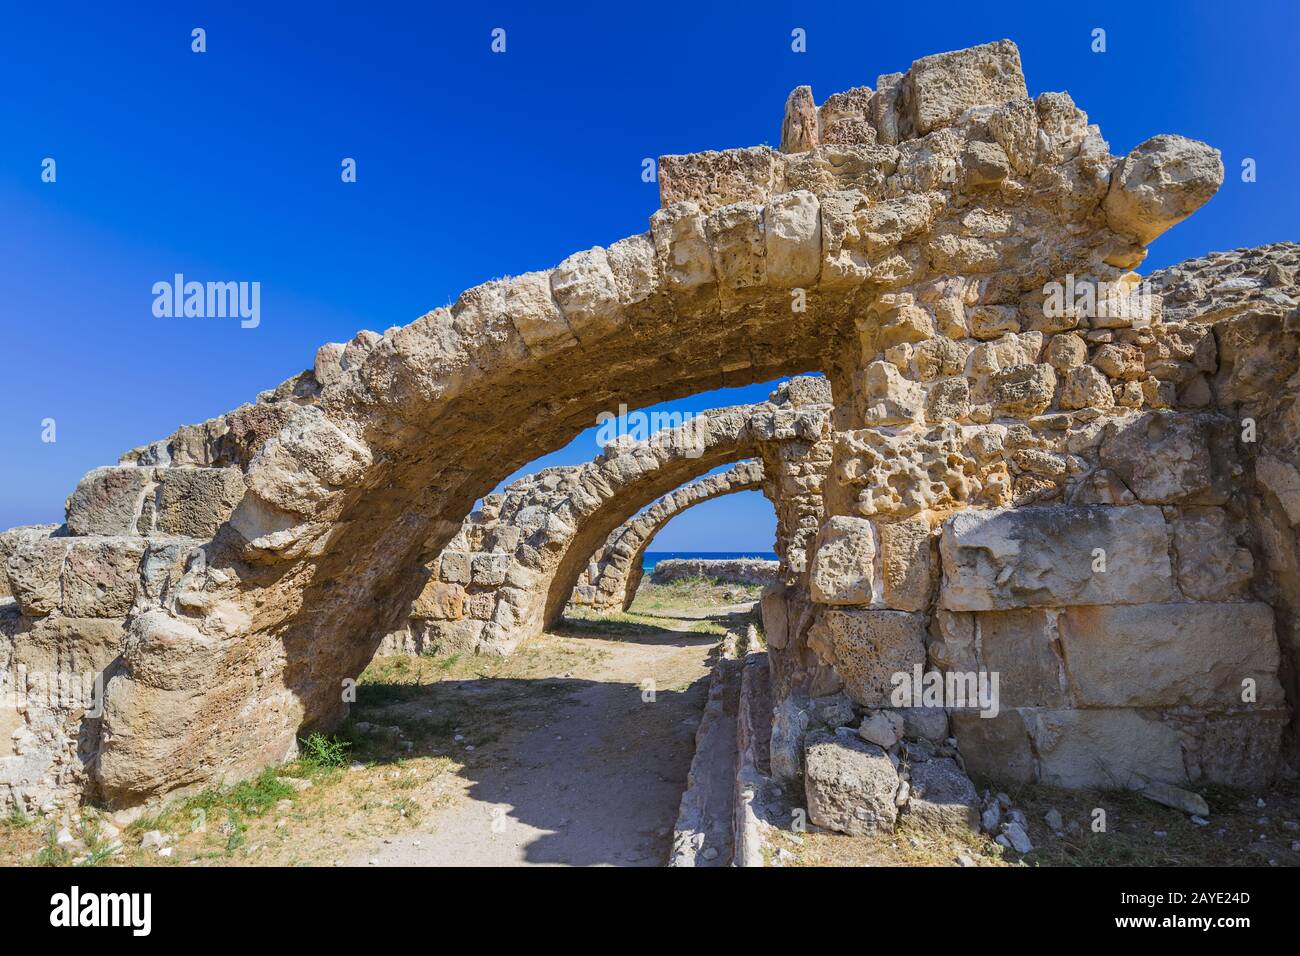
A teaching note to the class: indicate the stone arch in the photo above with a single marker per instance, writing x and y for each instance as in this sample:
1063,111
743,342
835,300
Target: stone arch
614,570
510,570
899,242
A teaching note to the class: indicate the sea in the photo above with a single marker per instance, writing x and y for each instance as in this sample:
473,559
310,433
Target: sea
651,557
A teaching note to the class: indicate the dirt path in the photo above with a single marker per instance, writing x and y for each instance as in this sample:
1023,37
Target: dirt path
592,776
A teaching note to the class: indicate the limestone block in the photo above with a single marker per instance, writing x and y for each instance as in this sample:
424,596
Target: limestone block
717,178
907,567
455,567
584,287
489,569
995,749
536,315
636,272
992,321
682,247
108,500
773,605
1105,749
942,797
10,541
1020,647
849,784
790,718
799,128
888,398
68,645
904,324
101,575
1023,390
984,164
792,229
1171,655
1085,387
842,569
945,85
440,601
1124,362
940,357
1166,457
868,647
195,502
1283,480
1162,182
1045,557
1241,751
735,234
1210,564
948,401
35,573
1014,127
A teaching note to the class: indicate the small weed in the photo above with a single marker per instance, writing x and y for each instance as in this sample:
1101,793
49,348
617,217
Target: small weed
319,752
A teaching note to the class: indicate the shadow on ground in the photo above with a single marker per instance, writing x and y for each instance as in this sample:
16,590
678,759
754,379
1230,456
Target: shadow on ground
561,770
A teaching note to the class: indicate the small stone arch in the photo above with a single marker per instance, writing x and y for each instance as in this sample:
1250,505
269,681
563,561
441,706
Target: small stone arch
511,568
614,571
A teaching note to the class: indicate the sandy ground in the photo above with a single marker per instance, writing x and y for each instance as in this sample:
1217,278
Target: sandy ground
591,777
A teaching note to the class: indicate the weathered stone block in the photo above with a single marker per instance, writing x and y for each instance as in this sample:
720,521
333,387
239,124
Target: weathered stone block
1166,457
195,502
439,601
1019,646
995,749
67,645
1105,749
108,500
1241,751
717,178
907,567
843,563
792,228
790,719
1210,564
584,287
850,785
1023,390
1047,557
1170,655
455,568
942,796
101,575
35,573
868,647
1162,182
945,85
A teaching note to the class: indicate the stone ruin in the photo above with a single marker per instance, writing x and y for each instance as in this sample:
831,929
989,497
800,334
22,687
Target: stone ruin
614,570
518,559
1034,463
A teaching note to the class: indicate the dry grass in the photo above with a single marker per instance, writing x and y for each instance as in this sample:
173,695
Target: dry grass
394,763
1137,833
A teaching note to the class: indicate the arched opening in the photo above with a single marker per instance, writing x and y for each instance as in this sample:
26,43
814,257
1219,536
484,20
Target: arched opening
615,570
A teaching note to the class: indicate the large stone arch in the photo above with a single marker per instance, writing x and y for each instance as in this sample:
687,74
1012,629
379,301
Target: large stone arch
613,571
510,570
228,579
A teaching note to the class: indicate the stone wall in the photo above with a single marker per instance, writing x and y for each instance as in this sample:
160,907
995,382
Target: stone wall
1118,568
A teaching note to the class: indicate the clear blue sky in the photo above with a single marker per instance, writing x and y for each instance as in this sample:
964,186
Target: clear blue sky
225,165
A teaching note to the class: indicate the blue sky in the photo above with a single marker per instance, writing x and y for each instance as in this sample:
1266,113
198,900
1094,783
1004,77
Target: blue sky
225,166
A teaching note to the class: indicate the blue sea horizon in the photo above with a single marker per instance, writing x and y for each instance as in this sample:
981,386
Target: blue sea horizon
650,558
